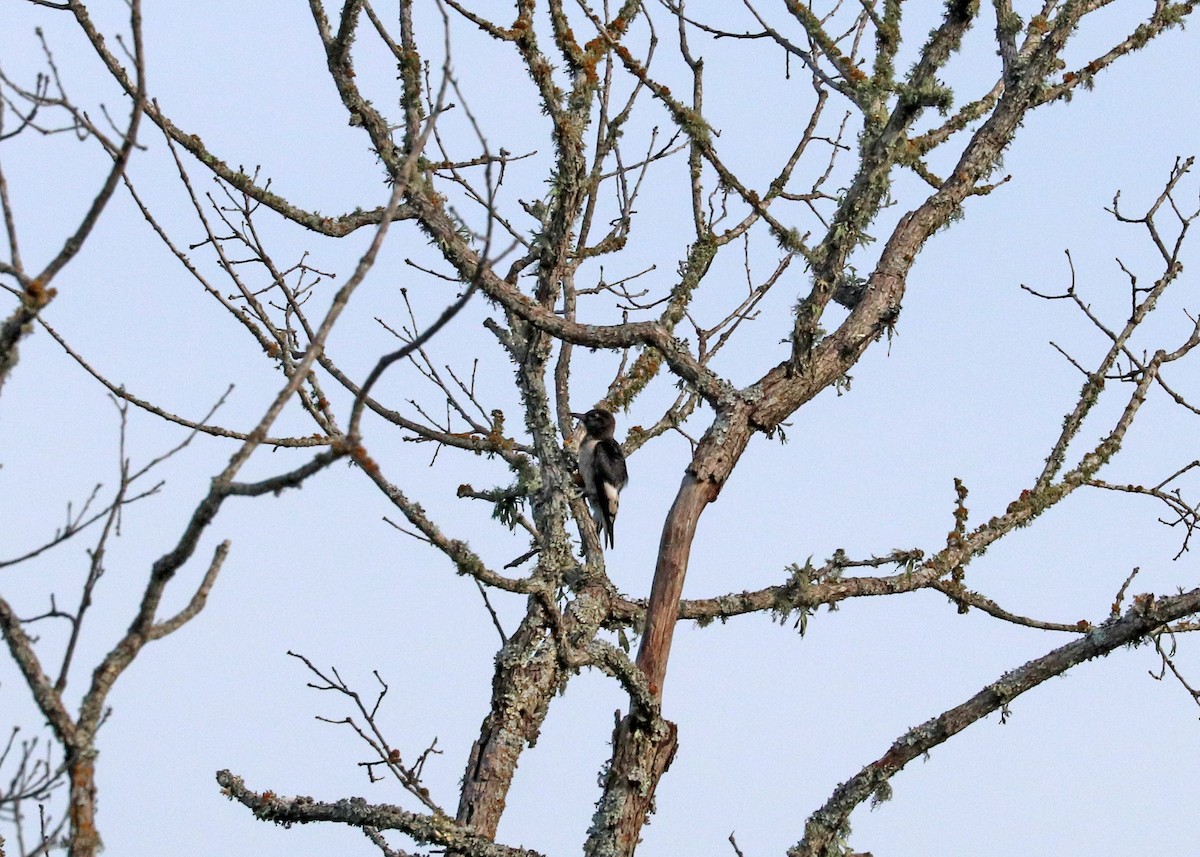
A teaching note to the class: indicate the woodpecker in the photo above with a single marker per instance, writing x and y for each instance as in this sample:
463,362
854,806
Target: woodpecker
602,467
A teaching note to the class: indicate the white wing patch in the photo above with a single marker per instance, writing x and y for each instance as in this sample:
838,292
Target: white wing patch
614,499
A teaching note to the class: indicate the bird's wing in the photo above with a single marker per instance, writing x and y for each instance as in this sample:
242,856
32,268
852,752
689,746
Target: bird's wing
609,463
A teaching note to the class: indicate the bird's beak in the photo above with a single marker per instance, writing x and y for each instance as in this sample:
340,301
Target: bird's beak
577,416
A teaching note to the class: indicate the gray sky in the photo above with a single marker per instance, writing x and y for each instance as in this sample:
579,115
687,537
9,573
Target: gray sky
1099,762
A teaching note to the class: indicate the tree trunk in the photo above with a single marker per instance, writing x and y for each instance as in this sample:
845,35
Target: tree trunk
527,676
85,838
674,550
642,752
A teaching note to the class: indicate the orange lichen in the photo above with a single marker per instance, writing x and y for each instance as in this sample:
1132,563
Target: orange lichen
359,453
37,295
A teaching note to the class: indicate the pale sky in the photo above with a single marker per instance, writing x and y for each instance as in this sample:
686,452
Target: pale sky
1098,762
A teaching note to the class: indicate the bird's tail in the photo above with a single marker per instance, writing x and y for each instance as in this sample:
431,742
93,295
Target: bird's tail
604,526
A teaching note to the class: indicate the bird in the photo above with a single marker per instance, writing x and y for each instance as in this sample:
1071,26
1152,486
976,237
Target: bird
602,468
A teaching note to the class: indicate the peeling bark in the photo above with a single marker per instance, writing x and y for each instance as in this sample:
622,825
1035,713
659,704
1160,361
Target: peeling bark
527,676
85,837
642,753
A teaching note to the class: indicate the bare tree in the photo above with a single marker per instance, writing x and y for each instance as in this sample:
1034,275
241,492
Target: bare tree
621,95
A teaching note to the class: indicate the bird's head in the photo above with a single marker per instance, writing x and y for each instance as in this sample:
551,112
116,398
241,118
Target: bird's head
598,422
